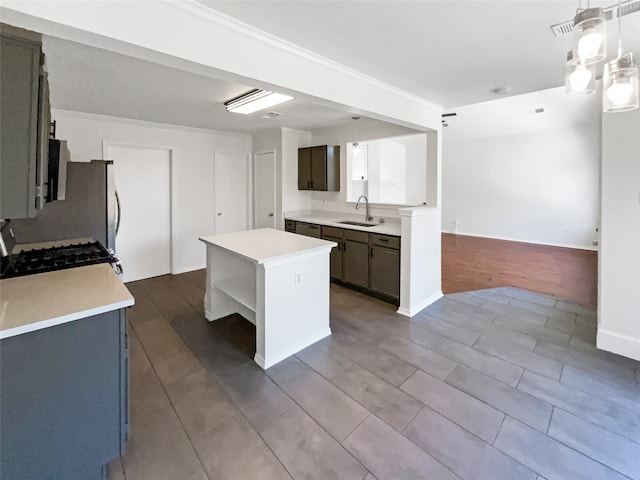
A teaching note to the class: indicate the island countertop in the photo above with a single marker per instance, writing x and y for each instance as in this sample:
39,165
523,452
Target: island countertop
34,302
265,244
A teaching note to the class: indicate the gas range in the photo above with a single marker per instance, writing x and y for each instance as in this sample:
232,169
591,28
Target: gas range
57,258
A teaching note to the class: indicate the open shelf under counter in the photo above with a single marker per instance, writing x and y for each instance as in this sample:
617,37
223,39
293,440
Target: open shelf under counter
239,290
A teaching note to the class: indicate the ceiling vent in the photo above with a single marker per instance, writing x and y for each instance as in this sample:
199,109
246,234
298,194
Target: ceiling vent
627,8
271,115
447,115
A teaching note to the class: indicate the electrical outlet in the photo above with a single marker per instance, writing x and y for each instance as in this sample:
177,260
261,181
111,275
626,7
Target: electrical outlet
297,278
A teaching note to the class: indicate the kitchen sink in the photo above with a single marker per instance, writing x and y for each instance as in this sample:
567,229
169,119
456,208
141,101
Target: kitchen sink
358,224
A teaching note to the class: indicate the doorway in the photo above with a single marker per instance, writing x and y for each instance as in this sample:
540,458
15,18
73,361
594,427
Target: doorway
143,186
231,170
264,182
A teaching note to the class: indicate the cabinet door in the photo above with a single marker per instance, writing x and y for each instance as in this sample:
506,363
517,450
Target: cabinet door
336,257
385,271
19,76
304,169
319,168
308,229
356,263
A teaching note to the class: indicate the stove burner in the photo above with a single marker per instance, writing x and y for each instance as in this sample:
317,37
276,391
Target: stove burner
55,258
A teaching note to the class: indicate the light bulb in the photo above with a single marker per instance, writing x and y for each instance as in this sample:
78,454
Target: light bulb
580,78
619,92
589,43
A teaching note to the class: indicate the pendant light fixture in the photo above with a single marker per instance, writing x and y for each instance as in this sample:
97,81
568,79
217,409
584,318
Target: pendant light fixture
580,79
355,145
620,80
589,39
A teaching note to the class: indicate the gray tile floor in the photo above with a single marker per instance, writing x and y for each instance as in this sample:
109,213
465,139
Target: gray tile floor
495,384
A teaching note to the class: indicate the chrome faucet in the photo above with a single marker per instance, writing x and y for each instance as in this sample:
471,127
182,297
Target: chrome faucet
367,217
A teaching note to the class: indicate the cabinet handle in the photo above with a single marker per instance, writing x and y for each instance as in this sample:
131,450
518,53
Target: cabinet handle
311,183
383,239
344,246
371,252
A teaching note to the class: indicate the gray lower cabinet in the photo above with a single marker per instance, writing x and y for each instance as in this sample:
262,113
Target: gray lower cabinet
308,229
368,262
290,226
384,271
64,409
356,263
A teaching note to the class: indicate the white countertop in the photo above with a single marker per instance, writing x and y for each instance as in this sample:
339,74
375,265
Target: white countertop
34,302
332,219
266,244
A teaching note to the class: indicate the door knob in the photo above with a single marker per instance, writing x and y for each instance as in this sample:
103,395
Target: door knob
219,214
271,214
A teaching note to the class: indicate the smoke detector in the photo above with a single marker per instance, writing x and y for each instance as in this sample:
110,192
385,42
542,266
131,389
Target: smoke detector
271,115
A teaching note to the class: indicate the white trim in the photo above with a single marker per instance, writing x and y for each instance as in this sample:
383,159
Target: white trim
410,312
212,17
618,343
255,185
144,123
518,240
276,358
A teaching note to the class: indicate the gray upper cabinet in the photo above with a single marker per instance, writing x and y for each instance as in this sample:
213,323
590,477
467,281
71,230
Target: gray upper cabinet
319,168
24,116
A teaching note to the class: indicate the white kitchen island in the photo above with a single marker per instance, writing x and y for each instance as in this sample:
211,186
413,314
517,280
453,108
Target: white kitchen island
277,280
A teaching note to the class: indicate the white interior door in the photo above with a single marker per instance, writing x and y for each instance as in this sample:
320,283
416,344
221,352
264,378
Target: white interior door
143,183
231,195
265,190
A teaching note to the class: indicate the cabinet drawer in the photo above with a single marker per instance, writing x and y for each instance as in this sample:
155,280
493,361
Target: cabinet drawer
331,232
356,236
308,229
290,226
385,241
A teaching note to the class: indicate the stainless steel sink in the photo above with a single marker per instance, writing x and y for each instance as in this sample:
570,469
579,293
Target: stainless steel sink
358,224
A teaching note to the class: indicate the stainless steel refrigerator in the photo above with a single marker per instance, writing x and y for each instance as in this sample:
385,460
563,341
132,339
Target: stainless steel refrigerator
90,208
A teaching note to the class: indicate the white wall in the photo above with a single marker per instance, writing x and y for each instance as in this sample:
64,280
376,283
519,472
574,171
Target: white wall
619,260
192,169
539,187
341,135
292,198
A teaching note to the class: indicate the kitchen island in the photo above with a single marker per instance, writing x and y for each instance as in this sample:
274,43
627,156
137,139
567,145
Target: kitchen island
277,280
64,375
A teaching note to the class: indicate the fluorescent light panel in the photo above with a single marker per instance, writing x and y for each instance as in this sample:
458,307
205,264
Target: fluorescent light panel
255,100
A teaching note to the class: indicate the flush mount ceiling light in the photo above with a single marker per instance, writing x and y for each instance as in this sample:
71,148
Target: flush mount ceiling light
580,79
255,100
589,39
620,80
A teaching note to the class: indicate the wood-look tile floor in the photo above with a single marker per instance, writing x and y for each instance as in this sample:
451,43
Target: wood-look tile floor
492,384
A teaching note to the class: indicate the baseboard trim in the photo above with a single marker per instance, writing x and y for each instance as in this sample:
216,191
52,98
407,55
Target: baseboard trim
618,343
410,312
519,240
277,358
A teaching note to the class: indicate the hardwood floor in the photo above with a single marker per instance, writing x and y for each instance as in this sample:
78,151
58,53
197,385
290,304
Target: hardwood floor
475,263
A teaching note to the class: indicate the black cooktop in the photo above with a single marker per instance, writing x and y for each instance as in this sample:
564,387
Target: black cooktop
54,258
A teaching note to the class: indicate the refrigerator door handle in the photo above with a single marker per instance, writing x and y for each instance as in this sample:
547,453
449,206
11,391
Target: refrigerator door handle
118,213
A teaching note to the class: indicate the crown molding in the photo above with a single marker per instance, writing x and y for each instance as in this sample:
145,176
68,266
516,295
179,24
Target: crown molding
221,21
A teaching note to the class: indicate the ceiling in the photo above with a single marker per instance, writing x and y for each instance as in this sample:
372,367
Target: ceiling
451,53
91,80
